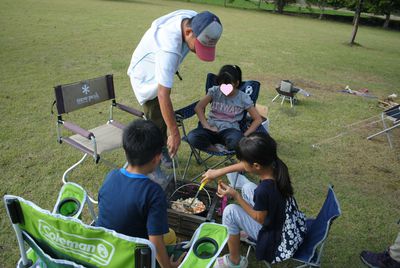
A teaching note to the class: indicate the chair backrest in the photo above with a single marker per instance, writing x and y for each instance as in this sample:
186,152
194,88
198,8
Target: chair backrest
318,230
286,86
394,113
207,243
74,96
67,242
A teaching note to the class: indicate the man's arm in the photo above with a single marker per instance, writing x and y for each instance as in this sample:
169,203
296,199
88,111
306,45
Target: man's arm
167,111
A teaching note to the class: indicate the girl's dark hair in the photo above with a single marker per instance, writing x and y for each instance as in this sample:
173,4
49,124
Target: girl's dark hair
260,148
229,74
142,140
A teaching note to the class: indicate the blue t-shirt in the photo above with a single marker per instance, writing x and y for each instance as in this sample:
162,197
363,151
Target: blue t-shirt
132,204
268,198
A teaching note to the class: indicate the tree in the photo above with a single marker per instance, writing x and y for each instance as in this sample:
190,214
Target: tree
357,16
384,7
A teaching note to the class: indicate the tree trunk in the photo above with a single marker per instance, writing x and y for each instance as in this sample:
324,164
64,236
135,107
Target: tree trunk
357,16
387,21
280,5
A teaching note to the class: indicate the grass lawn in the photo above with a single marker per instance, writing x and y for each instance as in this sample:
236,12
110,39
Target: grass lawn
47,42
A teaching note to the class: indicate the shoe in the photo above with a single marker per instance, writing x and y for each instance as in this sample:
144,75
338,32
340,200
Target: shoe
220,148
225,262
378,260
166,160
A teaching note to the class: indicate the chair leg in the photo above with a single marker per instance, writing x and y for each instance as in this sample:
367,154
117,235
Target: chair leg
64,177
91,209
387,132
187,165
248,251
291,102
283,99
275,97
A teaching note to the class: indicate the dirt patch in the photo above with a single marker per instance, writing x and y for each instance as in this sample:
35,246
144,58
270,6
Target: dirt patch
271,81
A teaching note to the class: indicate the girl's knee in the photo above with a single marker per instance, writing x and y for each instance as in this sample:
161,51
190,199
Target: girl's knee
230,213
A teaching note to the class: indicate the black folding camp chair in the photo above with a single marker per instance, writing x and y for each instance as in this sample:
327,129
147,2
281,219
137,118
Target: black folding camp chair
251,88
392,114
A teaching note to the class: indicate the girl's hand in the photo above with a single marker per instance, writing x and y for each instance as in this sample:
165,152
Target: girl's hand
210,175
212,128
225,190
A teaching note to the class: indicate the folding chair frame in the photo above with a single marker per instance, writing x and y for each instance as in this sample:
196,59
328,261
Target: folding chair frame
392,114
315,260
62,108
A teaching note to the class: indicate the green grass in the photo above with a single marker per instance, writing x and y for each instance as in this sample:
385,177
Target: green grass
44,43
256,5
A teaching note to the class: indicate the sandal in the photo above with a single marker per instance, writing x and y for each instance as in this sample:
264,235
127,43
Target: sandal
225,262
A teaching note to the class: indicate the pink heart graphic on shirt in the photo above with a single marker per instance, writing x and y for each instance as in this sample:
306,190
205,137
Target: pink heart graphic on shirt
226,89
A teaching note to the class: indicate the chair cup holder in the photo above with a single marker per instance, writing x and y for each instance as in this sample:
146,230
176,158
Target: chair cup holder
69,207
205,248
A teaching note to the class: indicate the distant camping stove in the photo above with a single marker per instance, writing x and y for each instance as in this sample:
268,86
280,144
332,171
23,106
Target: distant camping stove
185,224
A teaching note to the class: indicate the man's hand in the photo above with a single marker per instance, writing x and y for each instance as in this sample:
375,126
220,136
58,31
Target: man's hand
174,140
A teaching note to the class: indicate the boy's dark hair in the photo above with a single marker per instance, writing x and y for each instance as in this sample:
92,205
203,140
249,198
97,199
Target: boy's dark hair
229,74
142,140
261,148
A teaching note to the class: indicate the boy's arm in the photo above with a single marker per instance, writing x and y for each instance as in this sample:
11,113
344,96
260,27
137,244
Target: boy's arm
162,256
200,110
257,120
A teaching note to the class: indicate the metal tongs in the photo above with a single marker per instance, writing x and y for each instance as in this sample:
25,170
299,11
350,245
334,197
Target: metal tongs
189,207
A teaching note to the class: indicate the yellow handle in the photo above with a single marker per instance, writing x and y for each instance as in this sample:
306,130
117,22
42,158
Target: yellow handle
202,185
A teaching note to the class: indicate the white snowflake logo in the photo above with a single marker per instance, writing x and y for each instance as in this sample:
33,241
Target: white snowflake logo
85,89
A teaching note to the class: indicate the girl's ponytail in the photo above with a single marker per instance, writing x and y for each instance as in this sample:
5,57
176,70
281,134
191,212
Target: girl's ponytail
281,175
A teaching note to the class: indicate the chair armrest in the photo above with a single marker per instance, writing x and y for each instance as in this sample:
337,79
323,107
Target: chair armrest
185,112
77,129
129,110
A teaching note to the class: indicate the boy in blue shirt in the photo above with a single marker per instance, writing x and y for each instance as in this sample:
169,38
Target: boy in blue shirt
129,202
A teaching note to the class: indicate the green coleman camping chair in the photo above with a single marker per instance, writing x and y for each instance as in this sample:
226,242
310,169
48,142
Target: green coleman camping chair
60,241
205,246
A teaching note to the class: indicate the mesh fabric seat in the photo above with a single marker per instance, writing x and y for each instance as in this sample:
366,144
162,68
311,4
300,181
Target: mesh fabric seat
95,141
251,88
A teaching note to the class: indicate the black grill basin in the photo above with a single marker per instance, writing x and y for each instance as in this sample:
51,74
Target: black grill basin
185,224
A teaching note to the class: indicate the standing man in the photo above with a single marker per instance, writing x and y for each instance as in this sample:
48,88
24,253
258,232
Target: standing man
156,60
